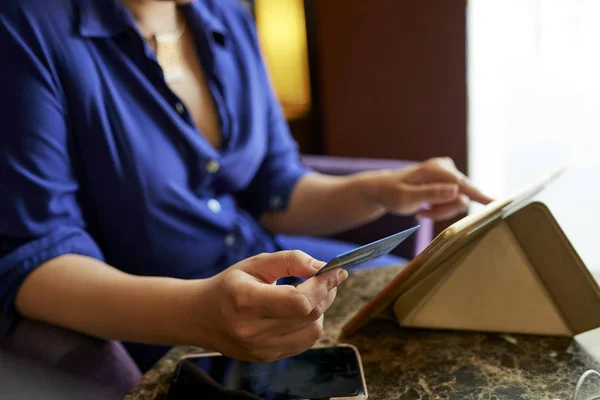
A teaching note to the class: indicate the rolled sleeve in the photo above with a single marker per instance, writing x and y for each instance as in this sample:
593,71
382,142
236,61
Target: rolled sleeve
272,187
40,218
17,265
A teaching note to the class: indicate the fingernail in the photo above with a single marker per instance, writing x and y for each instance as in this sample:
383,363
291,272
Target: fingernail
342,275
316,264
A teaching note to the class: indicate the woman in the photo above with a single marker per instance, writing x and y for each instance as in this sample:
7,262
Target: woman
143,154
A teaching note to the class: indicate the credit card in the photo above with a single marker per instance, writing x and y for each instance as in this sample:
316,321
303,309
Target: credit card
366,253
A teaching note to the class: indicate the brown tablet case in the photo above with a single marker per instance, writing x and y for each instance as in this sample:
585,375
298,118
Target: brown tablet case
515,272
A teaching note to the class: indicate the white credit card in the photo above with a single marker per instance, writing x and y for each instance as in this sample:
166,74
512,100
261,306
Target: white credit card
366,253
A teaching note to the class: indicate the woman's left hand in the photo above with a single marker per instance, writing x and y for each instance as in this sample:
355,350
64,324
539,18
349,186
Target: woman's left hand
434,189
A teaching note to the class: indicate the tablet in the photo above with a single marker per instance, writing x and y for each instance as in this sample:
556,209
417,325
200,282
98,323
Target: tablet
443,247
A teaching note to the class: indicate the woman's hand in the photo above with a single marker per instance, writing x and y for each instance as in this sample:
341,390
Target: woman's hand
433,189
251,318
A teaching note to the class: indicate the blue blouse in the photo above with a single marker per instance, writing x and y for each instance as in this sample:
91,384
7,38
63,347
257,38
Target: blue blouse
100,158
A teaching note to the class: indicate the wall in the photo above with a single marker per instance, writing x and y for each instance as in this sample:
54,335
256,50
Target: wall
391,77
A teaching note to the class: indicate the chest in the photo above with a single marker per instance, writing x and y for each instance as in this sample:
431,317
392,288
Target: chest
133,127
191,86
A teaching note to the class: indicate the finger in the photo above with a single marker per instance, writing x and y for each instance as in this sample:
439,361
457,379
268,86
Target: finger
467,188
415,196
304,337
440,170
282,326
317,288
445,169
266,301
270,348
436,170
268,268
446,211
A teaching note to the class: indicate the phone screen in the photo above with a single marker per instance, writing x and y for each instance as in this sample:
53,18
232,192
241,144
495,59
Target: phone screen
315,374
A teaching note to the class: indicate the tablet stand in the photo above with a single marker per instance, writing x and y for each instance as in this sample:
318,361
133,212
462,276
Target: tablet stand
519,275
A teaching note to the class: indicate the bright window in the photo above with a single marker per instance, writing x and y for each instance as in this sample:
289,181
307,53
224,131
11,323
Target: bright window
534,103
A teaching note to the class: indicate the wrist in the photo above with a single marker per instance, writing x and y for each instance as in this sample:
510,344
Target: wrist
373,187
190,322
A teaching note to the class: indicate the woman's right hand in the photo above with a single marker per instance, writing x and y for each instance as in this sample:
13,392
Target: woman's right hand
245,315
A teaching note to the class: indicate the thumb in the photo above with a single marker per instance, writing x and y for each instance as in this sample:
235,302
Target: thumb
430,193
270,267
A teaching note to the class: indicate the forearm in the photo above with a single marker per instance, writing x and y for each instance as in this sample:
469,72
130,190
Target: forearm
323,205
88,296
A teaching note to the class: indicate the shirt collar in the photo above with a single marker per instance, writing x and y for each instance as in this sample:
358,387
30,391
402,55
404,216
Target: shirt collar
109,18
206,12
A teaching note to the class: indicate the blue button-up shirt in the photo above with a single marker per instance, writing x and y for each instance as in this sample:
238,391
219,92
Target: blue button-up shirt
100,158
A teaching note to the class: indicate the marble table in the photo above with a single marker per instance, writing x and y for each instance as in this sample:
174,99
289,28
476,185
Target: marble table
422,364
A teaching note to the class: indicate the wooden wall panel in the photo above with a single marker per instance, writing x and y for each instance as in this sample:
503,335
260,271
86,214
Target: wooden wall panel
392,78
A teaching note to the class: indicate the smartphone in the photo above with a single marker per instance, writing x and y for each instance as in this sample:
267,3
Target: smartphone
319,373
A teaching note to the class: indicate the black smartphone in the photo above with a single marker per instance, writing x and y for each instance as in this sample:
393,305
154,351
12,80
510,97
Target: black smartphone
319,373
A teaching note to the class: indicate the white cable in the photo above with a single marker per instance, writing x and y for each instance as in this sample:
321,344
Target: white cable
580,383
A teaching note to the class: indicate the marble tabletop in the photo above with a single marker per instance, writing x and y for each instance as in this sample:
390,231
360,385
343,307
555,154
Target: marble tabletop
411,364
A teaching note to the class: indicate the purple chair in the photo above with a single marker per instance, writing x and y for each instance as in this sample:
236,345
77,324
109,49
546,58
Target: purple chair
105,367
86,365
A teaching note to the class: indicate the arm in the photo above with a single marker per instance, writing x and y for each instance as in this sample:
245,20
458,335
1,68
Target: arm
240,312
322,205
87,295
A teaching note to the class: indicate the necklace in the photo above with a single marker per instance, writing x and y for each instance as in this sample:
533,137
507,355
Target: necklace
169,55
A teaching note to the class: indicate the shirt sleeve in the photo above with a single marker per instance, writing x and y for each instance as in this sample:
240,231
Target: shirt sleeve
281,168
39,215
272,187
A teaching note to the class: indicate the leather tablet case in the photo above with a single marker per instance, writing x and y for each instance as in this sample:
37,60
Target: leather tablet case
516,272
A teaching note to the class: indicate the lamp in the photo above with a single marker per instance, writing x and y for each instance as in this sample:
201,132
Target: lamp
282,34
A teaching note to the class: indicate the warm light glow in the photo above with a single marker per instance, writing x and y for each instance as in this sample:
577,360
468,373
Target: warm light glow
282,33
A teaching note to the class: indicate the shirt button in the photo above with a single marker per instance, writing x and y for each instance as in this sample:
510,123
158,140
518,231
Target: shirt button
276,202
212,167
214,206
230,239
179,107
